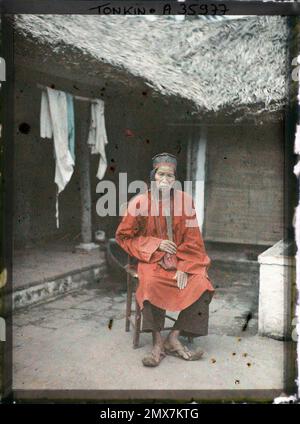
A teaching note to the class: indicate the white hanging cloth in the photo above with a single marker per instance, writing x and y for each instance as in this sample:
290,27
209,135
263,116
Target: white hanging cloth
97,138
297,140
54,122
45,118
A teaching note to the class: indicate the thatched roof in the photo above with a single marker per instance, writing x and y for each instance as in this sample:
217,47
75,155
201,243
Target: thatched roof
217,65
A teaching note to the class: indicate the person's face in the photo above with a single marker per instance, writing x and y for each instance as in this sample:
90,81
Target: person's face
164,177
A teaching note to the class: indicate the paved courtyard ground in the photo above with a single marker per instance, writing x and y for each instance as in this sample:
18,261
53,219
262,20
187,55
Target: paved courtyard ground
78,342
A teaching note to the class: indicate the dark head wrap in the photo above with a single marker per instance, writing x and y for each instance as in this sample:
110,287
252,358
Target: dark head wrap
163,159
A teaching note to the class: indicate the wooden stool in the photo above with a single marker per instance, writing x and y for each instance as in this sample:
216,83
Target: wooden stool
132,282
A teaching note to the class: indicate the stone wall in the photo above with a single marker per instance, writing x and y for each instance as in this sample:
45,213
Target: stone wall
244,184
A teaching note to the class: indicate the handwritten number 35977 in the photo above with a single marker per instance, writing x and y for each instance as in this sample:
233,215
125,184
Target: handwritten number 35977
203,9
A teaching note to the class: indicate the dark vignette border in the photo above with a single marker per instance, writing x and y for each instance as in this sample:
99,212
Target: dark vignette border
7,157
291,195
8,9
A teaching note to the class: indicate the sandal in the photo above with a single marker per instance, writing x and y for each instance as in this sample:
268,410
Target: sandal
151,361
179,352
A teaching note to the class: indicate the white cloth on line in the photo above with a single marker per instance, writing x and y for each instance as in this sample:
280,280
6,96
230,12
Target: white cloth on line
97,138
297,140
296,171
45,118
54,122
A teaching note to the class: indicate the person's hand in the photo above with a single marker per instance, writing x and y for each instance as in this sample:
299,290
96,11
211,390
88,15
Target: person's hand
167,246
182,278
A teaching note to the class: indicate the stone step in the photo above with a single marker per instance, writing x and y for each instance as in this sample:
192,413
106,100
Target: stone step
51,288
227,274
231,263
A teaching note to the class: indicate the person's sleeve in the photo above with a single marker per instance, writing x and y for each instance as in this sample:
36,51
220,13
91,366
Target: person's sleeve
144,248
191,253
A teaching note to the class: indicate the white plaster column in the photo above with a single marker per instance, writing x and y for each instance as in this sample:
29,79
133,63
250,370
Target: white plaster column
276,281
200,176
83,159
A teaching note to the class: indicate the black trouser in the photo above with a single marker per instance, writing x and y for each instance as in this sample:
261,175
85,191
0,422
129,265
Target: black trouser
191,321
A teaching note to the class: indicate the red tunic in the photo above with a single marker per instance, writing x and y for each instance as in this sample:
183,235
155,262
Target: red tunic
140,238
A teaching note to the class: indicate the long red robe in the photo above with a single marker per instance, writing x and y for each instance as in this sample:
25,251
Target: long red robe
140,238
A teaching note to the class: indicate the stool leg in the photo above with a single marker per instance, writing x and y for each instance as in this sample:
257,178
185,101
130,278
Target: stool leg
128,303
137,326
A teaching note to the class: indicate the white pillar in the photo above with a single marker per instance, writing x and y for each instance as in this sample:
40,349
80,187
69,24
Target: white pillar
83,159
276,281
200,176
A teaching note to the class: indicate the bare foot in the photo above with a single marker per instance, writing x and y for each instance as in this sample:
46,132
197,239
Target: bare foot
157,350
155,357
174,344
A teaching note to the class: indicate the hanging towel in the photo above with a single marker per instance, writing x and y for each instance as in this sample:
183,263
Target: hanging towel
45,118
97,138
297,140
71,125
54,121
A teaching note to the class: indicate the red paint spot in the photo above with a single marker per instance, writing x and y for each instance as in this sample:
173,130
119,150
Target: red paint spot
128,133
